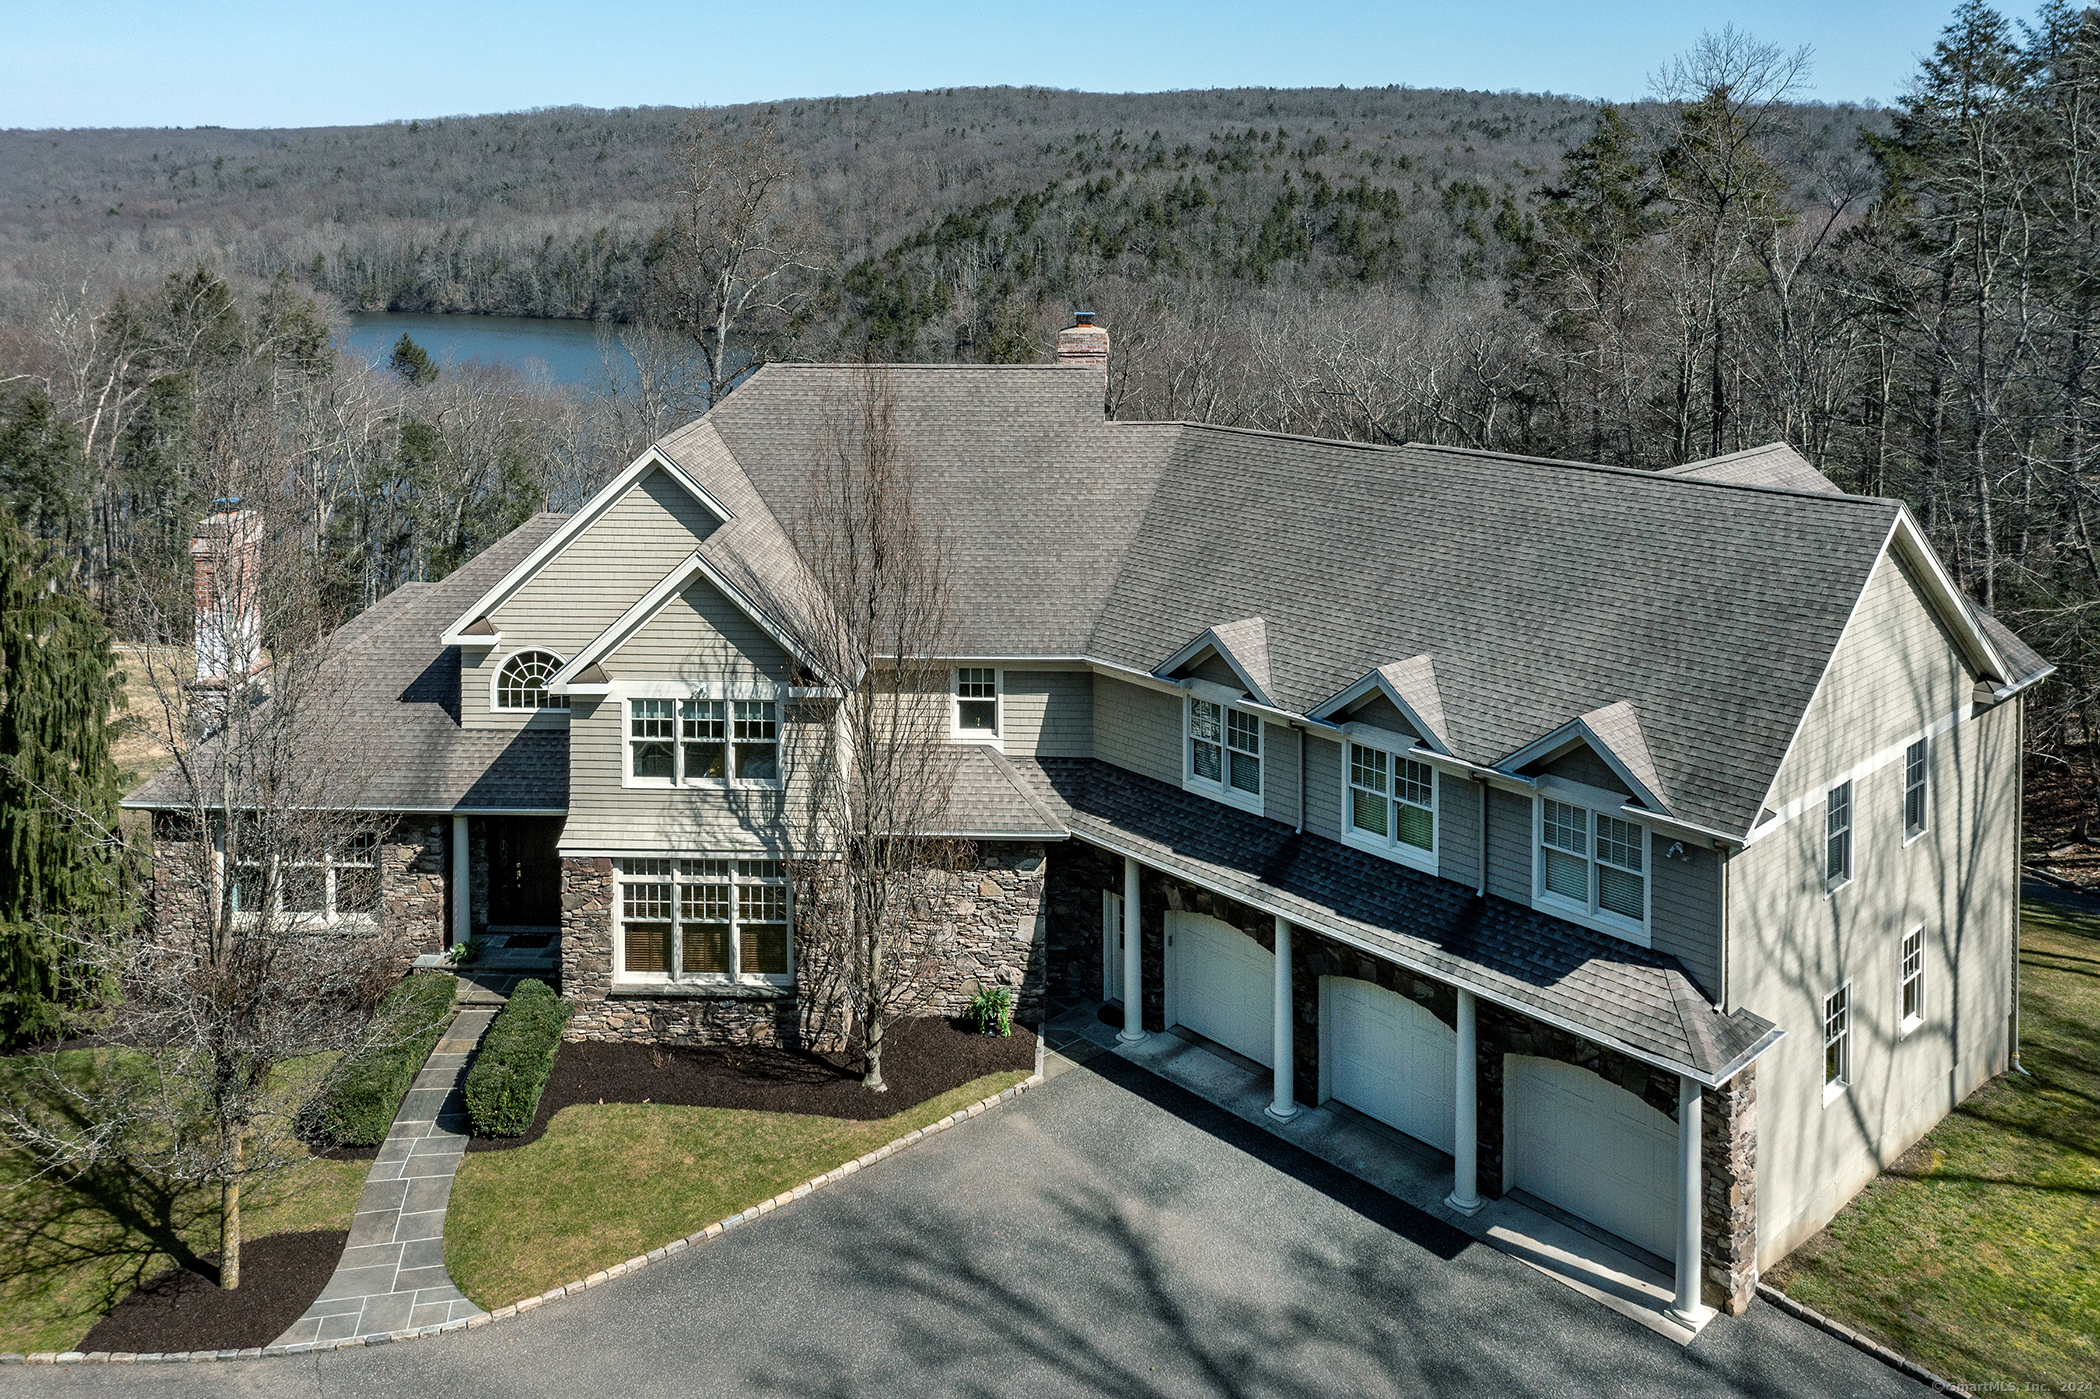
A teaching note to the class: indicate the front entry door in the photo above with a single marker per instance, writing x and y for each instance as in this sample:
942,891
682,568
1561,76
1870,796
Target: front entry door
524,872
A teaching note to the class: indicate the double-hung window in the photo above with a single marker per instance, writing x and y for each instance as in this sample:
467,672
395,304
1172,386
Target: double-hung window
1224,752
1593,865
340,879
1914,789
679,742
1913,990
976,702
1392,803
704,921
1837,836
1837,1041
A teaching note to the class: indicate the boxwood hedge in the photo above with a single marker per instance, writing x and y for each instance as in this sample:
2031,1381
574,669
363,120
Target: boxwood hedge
365,1091
504,1086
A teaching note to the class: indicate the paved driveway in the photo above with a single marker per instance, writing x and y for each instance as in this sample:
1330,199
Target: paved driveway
1107,1235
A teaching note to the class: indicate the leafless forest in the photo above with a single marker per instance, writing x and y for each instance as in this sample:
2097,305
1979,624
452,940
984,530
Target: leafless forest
1907,295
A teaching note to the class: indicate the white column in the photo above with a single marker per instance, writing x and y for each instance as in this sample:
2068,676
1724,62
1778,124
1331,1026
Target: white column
1284,1107
462,883
1688,1308
1465,1113
1133,964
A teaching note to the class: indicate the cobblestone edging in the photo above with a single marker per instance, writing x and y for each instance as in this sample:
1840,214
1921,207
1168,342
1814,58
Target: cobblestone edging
617,1270
1893,1359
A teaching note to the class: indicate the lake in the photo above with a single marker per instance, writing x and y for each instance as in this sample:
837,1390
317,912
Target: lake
566,351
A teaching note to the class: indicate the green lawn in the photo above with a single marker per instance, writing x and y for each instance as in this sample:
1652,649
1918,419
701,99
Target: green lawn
75,1245
610,1181
1978,1253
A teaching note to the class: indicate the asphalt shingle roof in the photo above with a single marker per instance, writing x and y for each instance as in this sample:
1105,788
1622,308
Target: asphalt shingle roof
401,705
1531,962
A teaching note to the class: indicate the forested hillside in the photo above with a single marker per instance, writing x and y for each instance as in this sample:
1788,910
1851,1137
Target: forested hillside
1910,297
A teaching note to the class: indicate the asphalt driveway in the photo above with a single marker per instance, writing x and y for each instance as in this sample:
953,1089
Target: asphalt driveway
1109,1234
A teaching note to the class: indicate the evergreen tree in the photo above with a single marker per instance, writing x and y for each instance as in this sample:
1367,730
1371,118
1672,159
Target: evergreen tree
413,363
43,472
60,861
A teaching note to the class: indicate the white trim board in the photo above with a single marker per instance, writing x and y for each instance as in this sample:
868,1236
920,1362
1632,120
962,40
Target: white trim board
623,628
1872,763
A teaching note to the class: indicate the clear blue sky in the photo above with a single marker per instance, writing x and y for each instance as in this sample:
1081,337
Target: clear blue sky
245,64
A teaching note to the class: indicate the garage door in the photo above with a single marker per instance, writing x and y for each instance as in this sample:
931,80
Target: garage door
1595,1150
1391,1059
1223,985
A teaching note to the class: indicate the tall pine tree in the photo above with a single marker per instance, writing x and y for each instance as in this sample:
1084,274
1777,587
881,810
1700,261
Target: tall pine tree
60,863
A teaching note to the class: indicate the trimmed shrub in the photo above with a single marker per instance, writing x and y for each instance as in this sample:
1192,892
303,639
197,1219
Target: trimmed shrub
364,1093
509,1074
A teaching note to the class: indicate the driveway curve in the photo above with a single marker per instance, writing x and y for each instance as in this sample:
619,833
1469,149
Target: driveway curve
1108,1234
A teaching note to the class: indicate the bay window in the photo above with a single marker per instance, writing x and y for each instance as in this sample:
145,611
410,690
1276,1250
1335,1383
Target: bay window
1391,801
1224,752
703,921
1593,865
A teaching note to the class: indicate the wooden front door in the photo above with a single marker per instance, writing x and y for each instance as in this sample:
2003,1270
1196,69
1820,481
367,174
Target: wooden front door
524,872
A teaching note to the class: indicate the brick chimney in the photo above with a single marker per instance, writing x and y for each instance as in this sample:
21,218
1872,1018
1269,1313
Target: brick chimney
226,554
1083,342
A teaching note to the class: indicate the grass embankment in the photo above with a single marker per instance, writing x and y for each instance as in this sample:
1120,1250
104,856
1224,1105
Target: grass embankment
75,1245
608,1182
1978,1253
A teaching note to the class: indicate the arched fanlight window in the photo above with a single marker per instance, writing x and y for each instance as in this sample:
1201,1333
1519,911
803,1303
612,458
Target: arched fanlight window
522,683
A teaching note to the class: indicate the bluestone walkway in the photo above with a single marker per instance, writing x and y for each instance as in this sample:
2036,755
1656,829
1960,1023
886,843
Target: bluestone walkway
392,1274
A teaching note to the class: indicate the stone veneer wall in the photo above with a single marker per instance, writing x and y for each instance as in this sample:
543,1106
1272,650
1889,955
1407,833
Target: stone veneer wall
991,934
411,879
1079,872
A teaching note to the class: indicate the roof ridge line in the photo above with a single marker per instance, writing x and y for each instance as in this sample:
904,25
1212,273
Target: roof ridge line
1661,474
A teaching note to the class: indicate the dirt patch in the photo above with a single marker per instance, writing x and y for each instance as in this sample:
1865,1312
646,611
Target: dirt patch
181,1309
924,1059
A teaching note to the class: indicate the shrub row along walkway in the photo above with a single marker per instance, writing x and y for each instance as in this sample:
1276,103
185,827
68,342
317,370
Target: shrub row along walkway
392,1275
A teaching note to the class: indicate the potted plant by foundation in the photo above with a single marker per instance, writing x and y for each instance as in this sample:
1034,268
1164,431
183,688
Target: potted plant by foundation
992,1010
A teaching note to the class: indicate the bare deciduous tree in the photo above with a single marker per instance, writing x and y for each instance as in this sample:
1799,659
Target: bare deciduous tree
876,611
736,248
269,954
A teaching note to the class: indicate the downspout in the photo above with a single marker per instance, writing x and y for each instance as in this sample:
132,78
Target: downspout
1482,784
1721,853
2019,867
1301,778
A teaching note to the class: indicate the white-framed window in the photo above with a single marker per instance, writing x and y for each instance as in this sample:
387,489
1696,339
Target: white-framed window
686,742
1914,809
976,713
1391,804
1594,866
1911,995
711,920
521,683
340,881
1837,836
1837,1041
1223,752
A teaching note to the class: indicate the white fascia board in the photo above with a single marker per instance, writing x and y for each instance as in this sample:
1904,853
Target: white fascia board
1567,736
480,640
652,458
1945,597
1195,648
1373,680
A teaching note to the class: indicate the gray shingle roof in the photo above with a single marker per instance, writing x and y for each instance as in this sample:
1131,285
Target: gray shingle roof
1775,464
988,798
1533,963
401,717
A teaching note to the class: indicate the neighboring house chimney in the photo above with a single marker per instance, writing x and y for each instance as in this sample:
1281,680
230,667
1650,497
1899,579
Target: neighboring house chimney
1083,342
227,555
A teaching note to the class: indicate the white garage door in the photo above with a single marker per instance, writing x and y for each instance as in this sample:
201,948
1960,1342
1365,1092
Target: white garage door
1223,987
1392,1059
1593,1149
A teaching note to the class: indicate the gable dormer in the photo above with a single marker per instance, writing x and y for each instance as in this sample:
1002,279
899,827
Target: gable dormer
1231,655
1603,750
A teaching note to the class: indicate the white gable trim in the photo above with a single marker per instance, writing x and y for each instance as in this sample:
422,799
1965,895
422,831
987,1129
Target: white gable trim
634,618
1324,711
593,510
1195,648
1567,736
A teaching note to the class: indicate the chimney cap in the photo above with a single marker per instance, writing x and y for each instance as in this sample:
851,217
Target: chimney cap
1082,318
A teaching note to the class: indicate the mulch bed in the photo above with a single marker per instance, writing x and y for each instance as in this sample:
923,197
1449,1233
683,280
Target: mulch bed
923,1059
281,1274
